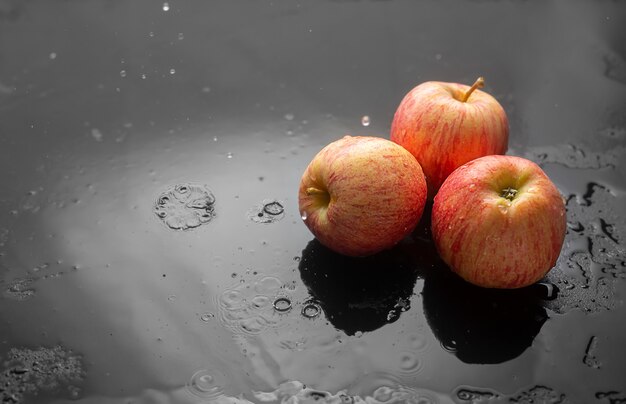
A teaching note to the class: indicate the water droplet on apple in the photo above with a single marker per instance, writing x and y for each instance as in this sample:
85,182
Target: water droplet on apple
365,120
303,215
166,6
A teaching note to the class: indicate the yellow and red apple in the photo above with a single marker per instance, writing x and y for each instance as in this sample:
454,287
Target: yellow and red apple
499,222
361,195
445,125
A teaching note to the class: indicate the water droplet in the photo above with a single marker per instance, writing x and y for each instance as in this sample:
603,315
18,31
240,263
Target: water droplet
181,36
311,309
123,73
365,120
151,34
289,117
171,298
172,71
409,363
166,6
206,384
229,155
269,211
53,55
273,208
260,301
268,285
303,216
96,135
282,304
143,76
206,317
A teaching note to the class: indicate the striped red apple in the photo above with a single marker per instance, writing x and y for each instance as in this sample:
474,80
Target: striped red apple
499,222
361,195
445,125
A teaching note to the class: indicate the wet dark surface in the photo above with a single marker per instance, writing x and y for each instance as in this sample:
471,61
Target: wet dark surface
110,294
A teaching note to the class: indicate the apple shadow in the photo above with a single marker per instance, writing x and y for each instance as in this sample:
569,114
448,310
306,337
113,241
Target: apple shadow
479,325
483,326
360,294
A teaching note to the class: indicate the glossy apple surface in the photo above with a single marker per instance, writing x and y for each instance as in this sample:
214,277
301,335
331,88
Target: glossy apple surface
499,222
361,195
445,125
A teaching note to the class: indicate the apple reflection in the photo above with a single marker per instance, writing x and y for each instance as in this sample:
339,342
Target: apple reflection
483,326
360,293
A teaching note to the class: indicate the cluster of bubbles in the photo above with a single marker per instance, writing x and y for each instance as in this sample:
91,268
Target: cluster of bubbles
52,371
535,394
268,211
19,289
252,307
297,392
185,206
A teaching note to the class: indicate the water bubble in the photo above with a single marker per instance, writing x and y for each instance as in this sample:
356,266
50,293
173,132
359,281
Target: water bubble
273,208
181,36
123,73
311,309
53,55
418,342
207,384
365,120
409,363
232,299
151,34
260,301
172,71
282,304
166,6
185,206
206,317
269,211
289,117
229,155
143,76
268,285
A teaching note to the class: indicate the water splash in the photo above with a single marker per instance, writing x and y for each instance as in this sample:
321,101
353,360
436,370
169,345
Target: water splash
185,206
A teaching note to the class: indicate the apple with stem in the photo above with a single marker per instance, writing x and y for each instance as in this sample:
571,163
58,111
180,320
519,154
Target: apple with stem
445,125
499,222
360,195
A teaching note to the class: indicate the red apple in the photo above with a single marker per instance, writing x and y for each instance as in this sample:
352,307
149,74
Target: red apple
499,222
445,125
361,195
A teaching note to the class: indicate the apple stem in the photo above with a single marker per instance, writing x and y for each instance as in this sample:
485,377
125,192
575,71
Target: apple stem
314,191
509,193
479,83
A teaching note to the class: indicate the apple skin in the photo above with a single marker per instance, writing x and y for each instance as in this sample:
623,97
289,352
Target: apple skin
443,132
361,195
493,241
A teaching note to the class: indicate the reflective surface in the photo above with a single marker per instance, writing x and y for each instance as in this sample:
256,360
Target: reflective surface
218,293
